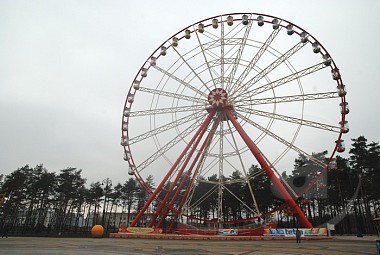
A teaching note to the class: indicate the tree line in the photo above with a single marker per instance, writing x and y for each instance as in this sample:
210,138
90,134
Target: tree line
39,202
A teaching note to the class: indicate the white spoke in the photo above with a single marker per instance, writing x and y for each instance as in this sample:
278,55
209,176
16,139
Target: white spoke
288,99
246,178
192,70
283,141
173,95
298,121
166,127
221,176
182,82
256,58
165,148
269,68
204,57
241,201
283,80
239,54
222,56
166,110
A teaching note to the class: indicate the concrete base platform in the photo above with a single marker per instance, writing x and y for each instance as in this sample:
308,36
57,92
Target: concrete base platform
211,237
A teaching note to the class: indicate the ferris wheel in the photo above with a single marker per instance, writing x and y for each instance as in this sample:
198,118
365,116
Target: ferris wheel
222,95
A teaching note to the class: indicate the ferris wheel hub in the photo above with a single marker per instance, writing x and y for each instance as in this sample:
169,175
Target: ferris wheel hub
217,97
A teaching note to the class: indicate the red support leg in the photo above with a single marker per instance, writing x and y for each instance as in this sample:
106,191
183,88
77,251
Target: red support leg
159,187
264,165
205,144
204,147
175,182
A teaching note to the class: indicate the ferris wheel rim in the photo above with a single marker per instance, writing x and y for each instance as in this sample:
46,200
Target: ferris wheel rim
146,66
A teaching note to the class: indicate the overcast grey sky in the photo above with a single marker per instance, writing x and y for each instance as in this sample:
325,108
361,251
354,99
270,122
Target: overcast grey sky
66,67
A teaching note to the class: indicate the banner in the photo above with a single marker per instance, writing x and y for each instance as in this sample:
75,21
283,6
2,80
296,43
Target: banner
140,230
227,232
292,231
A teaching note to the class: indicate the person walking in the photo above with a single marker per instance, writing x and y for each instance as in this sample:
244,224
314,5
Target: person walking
5,232
298,235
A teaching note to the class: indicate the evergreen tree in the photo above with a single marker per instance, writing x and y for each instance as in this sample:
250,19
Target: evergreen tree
129,192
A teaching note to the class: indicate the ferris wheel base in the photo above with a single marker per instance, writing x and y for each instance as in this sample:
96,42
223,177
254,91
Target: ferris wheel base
267,231
211,237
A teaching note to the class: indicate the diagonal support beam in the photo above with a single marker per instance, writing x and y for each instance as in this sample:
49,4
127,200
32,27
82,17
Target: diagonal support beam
175,182
170,172
264,165
202,154
196,160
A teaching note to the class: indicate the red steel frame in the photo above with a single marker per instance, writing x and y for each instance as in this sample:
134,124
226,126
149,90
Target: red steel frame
205,144
161,185
172,186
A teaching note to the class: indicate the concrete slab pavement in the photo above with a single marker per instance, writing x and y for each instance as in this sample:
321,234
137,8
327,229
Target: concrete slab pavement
114,246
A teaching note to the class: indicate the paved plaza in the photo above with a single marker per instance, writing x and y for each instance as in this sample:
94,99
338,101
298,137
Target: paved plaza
95,246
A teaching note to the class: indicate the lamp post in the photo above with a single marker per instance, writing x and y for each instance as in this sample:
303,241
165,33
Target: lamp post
108,183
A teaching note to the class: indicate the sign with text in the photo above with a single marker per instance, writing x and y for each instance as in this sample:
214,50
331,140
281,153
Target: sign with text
140,230
227,232
292,231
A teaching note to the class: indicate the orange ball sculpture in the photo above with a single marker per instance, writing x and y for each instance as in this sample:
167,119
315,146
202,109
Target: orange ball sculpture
97,231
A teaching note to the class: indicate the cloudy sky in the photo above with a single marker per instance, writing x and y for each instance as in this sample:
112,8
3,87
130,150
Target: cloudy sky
66,67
